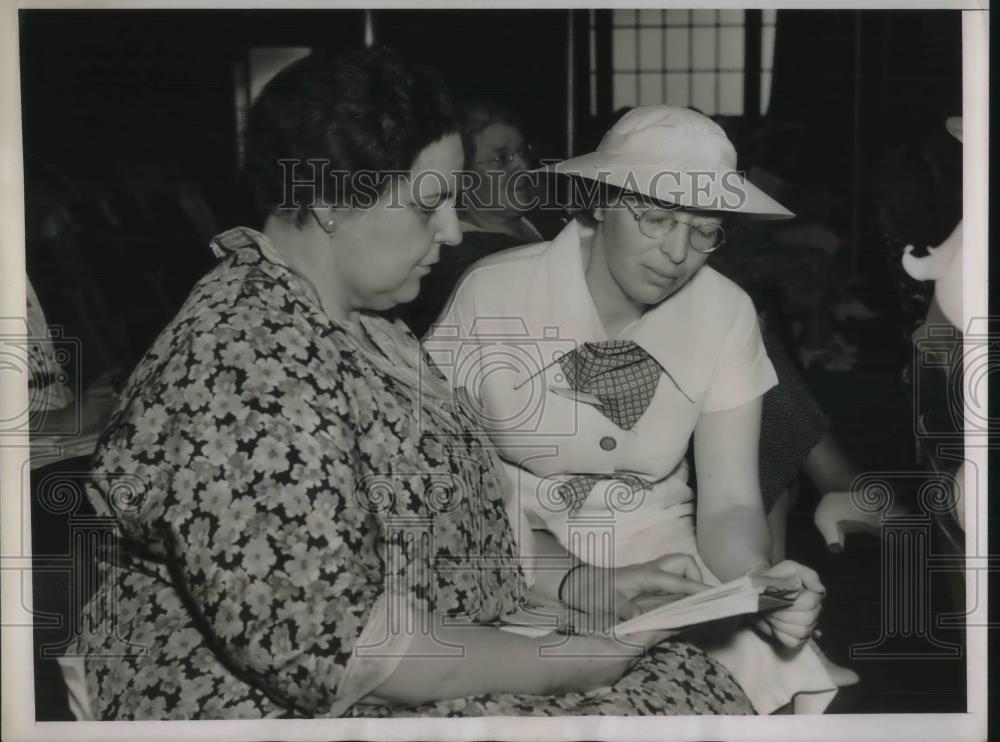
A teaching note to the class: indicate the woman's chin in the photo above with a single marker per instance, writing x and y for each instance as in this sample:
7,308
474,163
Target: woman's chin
654,292
405,293
650,295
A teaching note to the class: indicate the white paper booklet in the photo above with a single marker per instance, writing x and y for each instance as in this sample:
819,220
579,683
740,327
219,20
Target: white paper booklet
749,594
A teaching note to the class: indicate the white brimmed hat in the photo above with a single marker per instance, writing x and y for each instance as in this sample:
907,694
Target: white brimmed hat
674,155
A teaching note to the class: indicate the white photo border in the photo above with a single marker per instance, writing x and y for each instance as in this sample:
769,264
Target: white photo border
17,667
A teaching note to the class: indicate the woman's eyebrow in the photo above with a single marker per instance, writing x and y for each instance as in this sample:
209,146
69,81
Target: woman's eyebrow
432,197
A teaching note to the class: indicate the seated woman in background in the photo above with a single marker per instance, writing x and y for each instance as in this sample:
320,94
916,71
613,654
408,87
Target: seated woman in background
61,425
295,487
594,358
494,203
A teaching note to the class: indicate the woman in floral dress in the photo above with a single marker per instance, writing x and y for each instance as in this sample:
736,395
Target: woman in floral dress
308,524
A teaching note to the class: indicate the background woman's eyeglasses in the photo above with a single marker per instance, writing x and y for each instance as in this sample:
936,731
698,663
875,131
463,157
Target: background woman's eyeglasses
503,159
657,224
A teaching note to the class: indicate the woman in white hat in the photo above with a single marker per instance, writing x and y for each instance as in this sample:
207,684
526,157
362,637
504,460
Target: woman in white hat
596,358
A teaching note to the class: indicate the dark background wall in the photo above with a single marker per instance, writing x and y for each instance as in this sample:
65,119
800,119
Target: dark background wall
108,89
517,57
903,68
152,88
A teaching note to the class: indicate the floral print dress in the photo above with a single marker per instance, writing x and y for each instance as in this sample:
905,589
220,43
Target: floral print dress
280,492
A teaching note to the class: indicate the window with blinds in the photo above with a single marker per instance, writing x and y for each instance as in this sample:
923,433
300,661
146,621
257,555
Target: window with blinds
692,58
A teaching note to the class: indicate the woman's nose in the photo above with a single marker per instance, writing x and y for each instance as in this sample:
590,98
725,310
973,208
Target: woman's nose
447,230
518,161
675,244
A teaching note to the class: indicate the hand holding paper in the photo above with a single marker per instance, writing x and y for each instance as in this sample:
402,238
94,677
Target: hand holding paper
780,592
793,625
749,594
658,581
596,599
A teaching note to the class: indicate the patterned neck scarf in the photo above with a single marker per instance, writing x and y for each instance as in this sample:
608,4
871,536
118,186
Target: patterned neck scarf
619,373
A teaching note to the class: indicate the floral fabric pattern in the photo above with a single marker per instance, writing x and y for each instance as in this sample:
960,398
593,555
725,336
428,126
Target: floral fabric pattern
673,679
272,485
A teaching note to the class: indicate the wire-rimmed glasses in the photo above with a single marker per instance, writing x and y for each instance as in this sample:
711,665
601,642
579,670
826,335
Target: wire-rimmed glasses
657,223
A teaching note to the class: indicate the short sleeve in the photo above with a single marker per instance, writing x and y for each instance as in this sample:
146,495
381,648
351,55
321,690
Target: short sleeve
254,473
743,370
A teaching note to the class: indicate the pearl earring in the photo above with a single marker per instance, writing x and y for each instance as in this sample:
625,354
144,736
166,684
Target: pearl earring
329,226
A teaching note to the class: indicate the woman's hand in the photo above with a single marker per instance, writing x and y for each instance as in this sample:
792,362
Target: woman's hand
640,587
792,626
607,596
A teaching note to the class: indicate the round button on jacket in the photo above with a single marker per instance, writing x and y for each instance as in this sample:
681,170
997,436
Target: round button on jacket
608,443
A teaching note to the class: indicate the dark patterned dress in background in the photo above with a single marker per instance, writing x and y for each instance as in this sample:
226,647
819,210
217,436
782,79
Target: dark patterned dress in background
277,489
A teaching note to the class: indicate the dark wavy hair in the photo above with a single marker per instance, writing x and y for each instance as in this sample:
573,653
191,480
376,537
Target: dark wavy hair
363,112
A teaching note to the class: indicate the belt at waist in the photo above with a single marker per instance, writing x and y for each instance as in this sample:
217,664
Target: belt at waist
592,494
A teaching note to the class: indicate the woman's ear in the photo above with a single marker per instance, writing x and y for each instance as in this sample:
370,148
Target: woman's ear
327,221
599,214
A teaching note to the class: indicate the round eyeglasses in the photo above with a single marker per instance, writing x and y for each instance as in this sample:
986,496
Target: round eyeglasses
504,158
658,223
